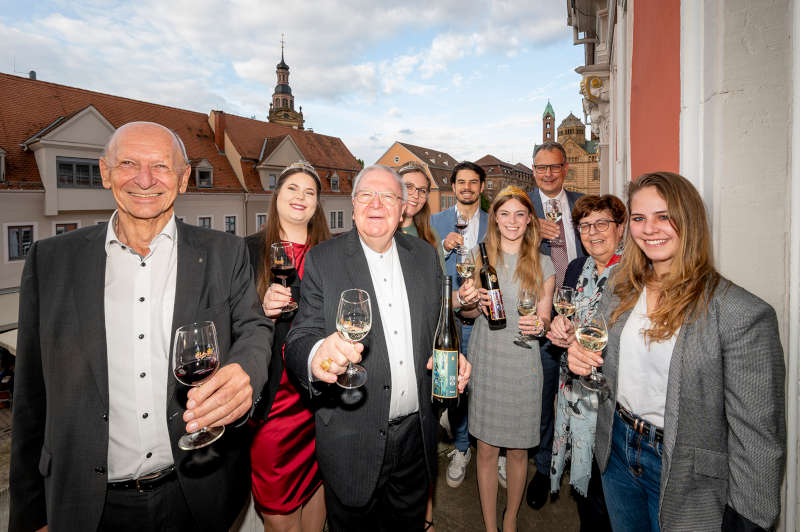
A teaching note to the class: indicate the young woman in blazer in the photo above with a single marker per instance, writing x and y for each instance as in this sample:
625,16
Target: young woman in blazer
693,435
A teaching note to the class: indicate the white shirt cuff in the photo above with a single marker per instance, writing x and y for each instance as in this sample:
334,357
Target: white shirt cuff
311,354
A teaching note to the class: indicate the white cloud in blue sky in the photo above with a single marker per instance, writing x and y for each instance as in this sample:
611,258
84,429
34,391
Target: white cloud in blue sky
465,77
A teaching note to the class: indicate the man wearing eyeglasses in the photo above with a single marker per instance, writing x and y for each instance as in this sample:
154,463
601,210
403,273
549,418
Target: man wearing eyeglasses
561,241
377,451
468,180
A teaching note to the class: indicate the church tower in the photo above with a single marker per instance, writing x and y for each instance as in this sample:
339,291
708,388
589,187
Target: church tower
281,110
548,124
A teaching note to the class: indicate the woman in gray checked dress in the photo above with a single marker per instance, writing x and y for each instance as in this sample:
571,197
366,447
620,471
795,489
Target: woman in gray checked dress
506,390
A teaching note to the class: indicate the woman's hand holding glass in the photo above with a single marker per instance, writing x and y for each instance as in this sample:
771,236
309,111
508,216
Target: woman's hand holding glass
275,300
562,332
580,360
531,325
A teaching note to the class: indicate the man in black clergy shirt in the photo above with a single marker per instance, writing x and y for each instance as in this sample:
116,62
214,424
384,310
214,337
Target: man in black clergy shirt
378,456
97,411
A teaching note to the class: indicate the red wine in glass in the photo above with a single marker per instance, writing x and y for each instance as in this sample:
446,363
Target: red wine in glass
283,268
195,372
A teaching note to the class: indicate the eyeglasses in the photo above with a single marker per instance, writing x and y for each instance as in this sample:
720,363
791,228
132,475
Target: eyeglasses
423,192
554,168
599,225
364,197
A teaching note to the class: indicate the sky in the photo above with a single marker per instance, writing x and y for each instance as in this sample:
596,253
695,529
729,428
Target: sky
466,77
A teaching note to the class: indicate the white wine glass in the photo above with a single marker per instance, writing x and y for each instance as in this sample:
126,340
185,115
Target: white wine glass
353,322
526,305
565,301
552,211
465,263
195,358
592,334
283,268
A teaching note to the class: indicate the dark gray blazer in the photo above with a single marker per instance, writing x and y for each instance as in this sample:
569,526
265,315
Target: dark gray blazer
351,441
572,197
60,420
724,424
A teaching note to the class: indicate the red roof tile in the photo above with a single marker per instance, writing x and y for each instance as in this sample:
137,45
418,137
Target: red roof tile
28,106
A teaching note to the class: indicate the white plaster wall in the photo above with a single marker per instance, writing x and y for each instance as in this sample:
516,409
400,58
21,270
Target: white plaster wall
736,146
339,203
192,205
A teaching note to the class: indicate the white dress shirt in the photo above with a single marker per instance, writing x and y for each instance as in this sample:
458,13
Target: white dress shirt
471,232
566,220
643,368
139,301
395,315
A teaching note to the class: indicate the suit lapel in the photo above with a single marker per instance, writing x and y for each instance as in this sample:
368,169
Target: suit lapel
189,284
671,406
89,296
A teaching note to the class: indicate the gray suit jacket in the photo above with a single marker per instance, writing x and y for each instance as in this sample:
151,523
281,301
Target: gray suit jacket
60,420
351,440
724,424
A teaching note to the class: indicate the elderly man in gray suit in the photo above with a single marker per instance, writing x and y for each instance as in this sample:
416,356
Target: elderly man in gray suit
97,413
377,456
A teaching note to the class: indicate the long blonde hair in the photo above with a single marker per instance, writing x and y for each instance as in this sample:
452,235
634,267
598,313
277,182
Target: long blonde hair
685,291
529,269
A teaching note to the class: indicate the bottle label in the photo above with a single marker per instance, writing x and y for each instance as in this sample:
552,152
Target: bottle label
445,374
496,309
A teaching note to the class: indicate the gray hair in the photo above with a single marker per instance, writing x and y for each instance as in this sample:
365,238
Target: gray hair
550,145
367,169
110,148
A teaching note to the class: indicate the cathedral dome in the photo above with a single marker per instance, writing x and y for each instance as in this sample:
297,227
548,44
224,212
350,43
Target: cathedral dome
283,89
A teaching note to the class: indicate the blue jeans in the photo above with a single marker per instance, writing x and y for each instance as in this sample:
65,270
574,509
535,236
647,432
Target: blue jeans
458,416
632,478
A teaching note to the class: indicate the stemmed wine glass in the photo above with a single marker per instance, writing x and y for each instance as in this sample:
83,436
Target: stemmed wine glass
195,358
461,223
564,302
552,211
353,322
592,334
526,305
465,263
283,268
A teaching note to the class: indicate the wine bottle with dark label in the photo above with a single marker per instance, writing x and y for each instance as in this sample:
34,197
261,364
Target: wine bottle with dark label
497,312
444,391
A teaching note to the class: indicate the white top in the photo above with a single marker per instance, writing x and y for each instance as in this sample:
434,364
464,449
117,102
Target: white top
139,301
566,220
395,316
643,367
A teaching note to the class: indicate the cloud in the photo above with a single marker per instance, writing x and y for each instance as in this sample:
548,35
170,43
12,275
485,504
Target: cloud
406,131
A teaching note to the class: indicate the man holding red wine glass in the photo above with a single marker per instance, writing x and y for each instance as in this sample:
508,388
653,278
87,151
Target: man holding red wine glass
376,447
98,412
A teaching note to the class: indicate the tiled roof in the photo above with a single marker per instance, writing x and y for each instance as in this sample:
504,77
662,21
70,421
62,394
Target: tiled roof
327,154
571,120
28,106
523,167
433,158
489,160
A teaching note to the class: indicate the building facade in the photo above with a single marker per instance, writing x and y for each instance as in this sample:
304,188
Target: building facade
708,89
438,164
500,174
582,154
52,138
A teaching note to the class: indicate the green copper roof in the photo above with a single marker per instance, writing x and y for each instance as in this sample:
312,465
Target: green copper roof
549,110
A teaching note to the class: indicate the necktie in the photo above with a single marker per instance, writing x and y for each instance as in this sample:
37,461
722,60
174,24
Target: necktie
558,254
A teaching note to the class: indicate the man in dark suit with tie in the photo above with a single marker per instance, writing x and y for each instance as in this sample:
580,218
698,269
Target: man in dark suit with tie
562,242
377,456
98,412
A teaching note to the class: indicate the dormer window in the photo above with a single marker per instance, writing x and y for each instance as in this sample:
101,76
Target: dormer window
205,178
77,172
335,182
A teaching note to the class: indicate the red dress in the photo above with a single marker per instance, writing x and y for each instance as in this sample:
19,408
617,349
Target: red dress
284,468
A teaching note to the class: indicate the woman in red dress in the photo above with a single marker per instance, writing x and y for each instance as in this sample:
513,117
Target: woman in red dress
287,487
